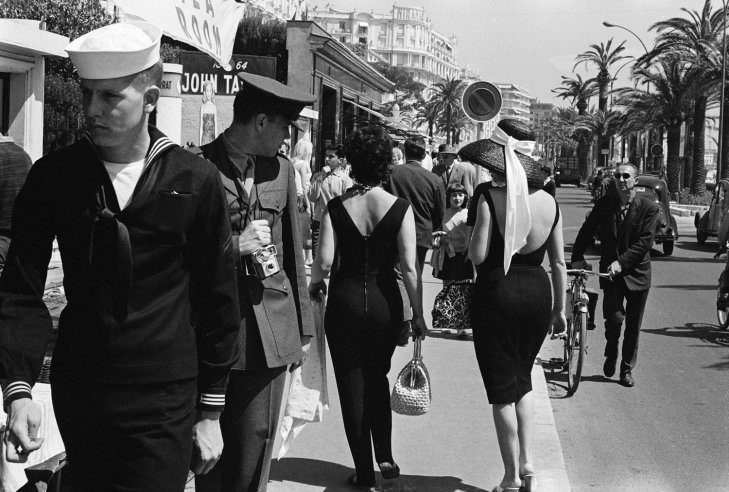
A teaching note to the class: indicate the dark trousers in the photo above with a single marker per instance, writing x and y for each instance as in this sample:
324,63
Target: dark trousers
361,363
130,438
249,423
620,304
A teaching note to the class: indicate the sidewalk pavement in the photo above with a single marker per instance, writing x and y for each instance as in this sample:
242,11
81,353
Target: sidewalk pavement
452,448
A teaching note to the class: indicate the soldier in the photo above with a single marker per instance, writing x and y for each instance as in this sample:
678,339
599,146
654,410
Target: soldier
149,330
275,316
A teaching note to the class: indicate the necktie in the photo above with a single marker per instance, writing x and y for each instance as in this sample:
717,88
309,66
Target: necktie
248,176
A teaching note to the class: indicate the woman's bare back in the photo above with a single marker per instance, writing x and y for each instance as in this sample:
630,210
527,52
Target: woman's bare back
367,209
543,210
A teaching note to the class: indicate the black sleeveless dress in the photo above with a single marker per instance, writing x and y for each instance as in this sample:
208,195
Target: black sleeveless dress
362,322
511,315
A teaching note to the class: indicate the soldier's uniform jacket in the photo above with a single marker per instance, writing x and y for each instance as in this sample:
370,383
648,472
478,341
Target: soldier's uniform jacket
275,311
151,289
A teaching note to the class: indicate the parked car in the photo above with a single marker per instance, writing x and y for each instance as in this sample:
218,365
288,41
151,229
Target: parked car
654,188
708,223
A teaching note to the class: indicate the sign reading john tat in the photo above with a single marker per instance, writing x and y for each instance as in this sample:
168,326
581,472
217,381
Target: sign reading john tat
199,67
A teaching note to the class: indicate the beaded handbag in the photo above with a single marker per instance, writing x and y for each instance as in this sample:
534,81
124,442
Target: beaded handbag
411,393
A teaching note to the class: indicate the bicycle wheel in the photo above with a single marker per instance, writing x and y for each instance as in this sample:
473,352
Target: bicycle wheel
576,354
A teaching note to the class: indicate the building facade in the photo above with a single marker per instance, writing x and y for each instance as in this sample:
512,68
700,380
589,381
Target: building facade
349,91
404,37
23,46
516,101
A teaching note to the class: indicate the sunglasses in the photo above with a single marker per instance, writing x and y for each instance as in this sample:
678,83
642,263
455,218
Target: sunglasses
625,176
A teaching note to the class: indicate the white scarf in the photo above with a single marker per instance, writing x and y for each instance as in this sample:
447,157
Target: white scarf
518,217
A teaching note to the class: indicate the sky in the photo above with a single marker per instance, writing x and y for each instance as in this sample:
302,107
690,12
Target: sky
533,42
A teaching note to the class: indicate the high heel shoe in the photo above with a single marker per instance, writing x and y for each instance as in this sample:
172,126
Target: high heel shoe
389,470
528,482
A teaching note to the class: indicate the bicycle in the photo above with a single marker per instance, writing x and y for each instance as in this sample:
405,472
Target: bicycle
722,294
575,336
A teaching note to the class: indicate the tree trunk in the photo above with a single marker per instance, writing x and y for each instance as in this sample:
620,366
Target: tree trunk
688,149
603,82
724,158
448,124
672,159
633,156
698,180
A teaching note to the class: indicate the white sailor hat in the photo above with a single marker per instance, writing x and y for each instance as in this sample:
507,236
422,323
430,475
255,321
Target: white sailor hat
116,50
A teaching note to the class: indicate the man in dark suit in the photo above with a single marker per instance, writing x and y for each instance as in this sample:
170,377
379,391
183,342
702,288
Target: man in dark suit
626,225
452,170
426,193
276,318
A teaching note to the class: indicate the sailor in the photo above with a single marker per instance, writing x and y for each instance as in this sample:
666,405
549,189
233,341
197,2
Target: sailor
147,339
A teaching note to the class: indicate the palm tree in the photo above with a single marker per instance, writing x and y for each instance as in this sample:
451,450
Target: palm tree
693,39
666,104
427,114
603,58
579,92
447,97
600,125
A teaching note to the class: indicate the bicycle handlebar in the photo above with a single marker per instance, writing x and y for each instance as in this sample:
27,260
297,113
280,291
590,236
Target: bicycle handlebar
580,271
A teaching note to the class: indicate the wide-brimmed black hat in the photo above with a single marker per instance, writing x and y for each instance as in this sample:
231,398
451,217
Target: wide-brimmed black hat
490,154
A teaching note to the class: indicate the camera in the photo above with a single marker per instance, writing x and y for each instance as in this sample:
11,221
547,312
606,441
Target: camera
265,262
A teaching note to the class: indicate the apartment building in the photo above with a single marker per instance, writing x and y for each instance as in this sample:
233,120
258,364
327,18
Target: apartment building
516,101
403,37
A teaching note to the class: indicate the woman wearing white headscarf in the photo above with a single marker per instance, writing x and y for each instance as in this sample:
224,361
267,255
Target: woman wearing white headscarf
515,224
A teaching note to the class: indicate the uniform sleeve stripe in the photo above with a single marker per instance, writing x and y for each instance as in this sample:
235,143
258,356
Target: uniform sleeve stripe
16,387
212,399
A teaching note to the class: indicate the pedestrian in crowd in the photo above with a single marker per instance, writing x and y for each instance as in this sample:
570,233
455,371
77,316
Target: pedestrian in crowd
427,162
397,156
626,224
449,259
452,170
14,166
332,180
302,167
362,336
549,184
597,181
426,194
141,224
275,313
516,223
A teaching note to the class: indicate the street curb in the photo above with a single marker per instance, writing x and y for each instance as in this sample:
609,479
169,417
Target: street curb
552,471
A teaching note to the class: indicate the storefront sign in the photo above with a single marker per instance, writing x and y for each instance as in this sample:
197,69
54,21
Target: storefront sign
208,25
198,68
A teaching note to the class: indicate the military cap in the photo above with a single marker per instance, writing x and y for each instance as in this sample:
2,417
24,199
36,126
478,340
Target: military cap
271,93
116,50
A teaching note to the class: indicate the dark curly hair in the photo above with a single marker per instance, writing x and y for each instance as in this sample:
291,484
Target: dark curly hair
456,188
369,151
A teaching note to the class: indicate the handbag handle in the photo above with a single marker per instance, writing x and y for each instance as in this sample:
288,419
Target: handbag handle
417,350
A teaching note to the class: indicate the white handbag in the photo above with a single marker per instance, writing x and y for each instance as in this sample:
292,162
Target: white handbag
411,394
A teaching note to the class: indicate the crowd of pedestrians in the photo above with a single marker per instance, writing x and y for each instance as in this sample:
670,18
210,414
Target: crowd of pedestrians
187,292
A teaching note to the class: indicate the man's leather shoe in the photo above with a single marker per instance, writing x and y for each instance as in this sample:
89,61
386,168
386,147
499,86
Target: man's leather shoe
626,379
608,368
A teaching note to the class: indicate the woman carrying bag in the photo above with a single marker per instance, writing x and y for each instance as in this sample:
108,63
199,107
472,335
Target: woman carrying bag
368,230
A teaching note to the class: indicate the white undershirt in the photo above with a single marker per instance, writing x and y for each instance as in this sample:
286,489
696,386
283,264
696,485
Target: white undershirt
124,177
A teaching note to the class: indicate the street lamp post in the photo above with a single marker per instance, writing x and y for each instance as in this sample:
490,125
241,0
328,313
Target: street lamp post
720,146
608,24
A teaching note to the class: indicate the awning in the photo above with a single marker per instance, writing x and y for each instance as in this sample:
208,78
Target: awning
372,112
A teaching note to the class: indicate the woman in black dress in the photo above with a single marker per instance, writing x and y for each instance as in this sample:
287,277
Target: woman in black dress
516,223
367,231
